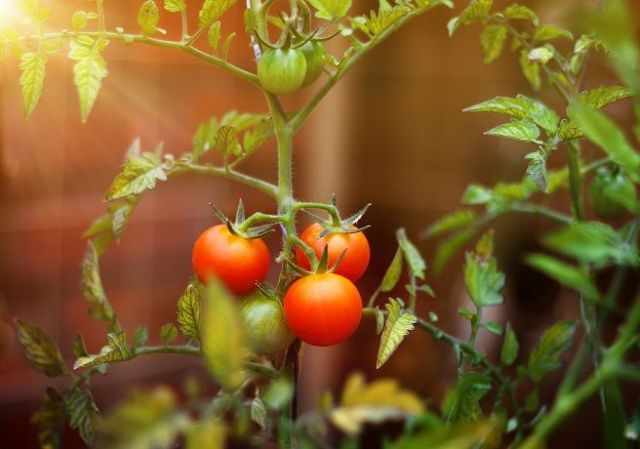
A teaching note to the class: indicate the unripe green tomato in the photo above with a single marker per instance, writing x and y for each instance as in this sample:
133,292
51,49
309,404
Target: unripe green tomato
266,332
611,193
314,54
282,71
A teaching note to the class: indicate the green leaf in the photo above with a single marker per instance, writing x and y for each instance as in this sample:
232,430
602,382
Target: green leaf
493,327
492,40
510,347
168,333
569,130
522,130
415,262
148,17
547,354
140,336
144,420
374,403
49,419
483,434
483,280
565,274
449,247
222,337
79,20
258,135
40,350
520,107
537,168
116,350
213,35
592,242
226,141
605,133
602,96
392,275
175,5
476,10
33,66
530,70
83,413
384,18
548,32
454,220
279,394
189,312
259,411
89,70
462,403
92,286
213,9
331,9
139,173
541,54
399,323
516,11
207,434
227,45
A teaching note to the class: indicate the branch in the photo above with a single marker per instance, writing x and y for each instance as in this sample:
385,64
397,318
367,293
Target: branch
139,38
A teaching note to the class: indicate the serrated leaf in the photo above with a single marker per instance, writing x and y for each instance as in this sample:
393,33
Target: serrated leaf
49,419
374,403
602,131
516,11
415,262
520,107
89,70
592,242
522,130
83,413
510,347
213,35
148,17
476,10
547,354
222,337
188,313
602,96
565,274
569,130
168,333
259,412
33,68
226,140
212,10
454,220
492,40
139,173
530,70
462,403
140,336
547,32
40,350
392,275
116,350
92,286
483,281
537,168
145,420
331,9
227,45
175,5
399,323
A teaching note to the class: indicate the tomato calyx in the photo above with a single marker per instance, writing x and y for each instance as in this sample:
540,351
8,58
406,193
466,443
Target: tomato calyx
321,266
337,225
237,226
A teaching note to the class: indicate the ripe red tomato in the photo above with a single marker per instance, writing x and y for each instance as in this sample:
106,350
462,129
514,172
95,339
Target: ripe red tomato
323,309
356,259
238,262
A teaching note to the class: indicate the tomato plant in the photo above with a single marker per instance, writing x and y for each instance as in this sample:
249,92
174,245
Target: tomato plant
246,344
323,309
354,245
237,261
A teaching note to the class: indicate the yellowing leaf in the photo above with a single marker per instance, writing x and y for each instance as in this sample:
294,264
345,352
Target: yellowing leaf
376,402
175,5
189,312
207,434
40,350
213,9
222,337
89,70
33,66
492,40
148,17
399,323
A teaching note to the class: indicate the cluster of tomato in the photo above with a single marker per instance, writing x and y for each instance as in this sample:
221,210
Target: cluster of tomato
283,71
321,309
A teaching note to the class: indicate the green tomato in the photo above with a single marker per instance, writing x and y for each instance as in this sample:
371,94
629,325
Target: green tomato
266,332
282,71
611,193
314,54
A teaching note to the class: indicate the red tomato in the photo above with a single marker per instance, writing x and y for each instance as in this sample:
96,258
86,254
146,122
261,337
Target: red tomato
238,262
323,309
355,260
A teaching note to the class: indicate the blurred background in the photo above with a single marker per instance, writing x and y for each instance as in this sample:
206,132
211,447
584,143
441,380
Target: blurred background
393,134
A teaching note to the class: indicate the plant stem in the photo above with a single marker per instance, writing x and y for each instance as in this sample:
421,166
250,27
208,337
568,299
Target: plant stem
258,184
575,181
